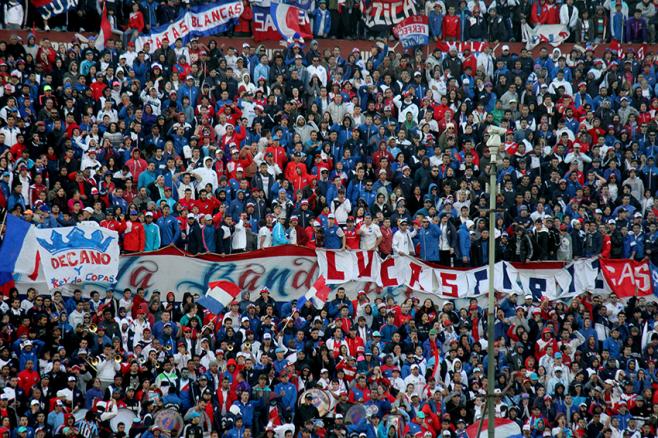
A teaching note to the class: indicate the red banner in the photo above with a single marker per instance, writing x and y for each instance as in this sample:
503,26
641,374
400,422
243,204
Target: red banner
627,278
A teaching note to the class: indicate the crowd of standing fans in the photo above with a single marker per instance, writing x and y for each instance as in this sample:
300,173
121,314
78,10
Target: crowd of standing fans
217,148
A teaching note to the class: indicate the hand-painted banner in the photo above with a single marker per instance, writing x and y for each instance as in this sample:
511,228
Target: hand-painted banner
382,14
553,280
51,8
80,254
289,271
198,21
413,31
553,34
627,278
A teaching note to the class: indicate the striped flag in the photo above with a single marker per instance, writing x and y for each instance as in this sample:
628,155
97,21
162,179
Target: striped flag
317,294
220,294
105,31
274,417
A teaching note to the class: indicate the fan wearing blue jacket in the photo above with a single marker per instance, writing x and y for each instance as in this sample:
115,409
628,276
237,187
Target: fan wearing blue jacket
321,21
428,237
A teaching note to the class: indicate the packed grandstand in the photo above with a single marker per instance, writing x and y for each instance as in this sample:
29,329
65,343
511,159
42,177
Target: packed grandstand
224,151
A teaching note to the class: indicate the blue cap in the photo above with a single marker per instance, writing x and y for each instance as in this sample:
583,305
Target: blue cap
376,334
194,415
280,350
5,174
275,137
133,212
44,208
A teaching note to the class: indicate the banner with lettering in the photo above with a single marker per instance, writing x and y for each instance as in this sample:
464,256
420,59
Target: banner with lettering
627,278
51,8
269,26
198,21
413,31
380,15
289,271
80,254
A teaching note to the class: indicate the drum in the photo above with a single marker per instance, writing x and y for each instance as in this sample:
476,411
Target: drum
170,422
321,400
355,414
125,416
80,414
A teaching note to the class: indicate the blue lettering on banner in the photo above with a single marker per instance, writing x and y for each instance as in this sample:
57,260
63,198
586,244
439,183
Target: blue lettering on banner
507,282
537,287
481,275
572,283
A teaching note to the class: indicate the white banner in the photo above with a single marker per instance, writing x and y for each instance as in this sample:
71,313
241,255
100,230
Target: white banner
199,21
80,254
289,271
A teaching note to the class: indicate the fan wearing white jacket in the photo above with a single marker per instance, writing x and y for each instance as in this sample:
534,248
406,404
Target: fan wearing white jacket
569,15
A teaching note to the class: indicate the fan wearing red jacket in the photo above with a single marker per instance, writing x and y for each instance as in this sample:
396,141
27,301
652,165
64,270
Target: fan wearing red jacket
545,12
352,237
451,26
544,342
134,237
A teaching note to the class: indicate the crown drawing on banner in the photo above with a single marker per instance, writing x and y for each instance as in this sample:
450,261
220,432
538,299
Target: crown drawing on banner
76,239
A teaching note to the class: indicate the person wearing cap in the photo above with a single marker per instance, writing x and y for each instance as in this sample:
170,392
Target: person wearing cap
151,233
192,237
334,237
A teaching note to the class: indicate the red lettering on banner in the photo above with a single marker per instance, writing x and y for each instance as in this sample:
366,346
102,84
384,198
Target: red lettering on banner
332,272
218,14
365,269
206,20
183,27
416,269
175,33
251,277
195,21
303,279
387,279
446,279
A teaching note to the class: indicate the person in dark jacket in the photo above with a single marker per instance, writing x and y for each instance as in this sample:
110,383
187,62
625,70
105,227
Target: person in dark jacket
520,246
616,241
577,239
193,239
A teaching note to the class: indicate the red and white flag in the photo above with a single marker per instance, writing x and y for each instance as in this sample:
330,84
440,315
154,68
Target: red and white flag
105,31
274,417
318,294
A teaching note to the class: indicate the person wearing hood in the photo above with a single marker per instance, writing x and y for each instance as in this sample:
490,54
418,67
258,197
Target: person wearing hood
207,174
464,239
304,129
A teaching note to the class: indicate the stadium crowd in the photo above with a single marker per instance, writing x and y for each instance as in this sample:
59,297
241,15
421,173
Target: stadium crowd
222,149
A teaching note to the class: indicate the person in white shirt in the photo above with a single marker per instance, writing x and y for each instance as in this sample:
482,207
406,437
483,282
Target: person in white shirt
416,379
239,237
341,207
371,235
265,233
318,70
403,240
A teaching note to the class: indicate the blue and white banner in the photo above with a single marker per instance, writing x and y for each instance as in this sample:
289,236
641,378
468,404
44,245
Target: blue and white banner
197,22
51,8
74,255
413,31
